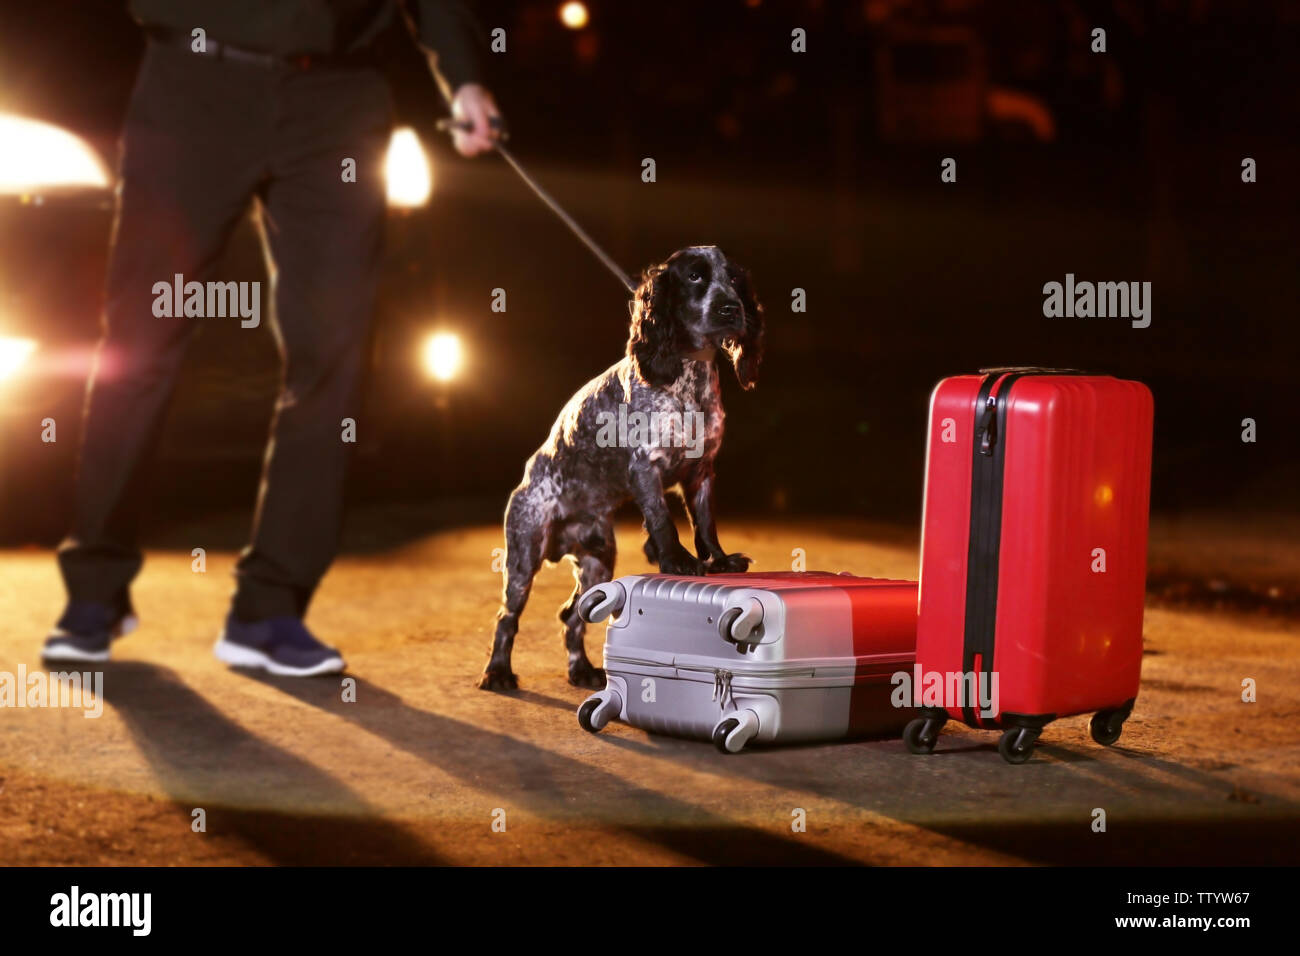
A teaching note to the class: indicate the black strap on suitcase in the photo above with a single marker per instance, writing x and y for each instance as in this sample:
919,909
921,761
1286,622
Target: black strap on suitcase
984,542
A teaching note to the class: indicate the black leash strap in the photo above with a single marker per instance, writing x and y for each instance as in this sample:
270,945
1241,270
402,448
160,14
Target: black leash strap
447,125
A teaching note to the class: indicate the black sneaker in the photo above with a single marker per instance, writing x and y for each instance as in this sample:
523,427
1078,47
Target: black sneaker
280,645
86,630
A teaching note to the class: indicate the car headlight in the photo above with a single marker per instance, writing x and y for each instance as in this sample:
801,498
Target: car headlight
38,156
407,170
14,352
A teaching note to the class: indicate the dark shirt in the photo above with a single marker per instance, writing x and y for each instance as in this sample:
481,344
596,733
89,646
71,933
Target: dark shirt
288,27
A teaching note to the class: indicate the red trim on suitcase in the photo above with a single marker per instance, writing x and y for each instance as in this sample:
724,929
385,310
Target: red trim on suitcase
876,612
882,617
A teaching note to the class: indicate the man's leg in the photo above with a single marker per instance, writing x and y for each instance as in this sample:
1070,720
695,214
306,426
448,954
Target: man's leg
325,237
187,174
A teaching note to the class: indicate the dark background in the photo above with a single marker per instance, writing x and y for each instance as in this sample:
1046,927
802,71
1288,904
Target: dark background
817,170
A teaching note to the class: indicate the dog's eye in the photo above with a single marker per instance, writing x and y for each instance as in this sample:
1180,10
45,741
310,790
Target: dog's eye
693,276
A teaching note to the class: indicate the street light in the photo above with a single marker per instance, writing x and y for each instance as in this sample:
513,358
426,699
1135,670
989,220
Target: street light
442,356
574,15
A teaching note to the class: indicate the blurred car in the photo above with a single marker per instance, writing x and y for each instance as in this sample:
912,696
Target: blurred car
56,209
55,214
933,85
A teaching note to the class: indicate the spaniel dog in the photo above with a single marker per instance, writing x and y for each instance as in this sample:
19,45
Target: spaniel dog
649,424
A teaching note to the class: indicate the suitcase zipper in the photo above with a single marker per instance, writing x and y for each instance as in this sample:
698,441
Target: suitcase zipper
722,689
722,678
988,427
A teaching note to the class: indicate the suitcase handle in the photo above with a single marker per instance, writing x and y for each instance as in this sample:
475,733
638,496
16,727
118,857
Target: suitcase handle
1032,370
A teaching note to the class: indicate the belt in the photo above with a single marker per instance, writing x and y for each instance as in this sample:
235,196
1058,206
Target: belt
298,62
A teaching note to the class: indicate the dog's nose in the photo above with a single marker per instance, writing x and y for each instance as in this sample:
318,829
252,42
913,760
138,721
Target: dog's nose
729,310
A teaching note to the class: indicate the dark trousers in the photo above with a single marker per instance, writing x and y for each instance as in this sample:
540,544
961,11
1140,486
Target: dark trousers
204,138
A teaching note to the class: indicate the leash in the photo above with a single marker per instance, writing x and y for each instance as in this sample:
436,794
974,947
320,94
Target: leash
448,125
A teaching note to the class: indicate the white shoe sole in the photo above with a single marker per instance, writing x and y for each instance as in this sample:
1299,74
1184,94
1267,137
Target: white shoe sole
65,652
237,655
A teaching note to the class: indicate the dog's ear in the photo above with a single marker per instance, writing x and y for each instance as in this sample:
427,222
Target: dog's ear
746,350
652,344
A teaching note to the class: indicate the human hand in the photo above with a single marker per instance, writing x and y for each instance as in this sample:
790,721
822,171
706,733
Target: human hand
473,105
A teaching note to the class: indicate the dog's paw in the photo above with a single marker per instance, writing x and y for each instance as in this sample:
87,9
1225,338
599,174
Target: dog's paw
680,561
728,564
586,676
498,679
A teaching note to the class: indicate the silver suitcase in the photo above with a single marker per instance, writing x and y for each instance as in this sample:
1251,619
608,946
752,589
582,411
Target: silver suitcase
771,658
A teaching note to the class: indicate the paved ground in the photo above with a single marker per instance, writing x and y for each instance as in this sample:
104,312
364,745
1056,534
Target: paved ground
413,771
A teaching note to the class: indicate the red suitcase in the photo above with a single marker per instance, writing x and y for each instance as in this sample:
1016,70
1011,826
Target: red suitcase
1033,554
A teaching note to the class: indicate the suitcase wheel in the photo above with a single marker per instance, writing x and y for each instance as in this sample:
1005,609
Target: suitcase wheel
922,734
1106,726
732,733
721,732
1017,744
602,601
584,715
597,711
741,625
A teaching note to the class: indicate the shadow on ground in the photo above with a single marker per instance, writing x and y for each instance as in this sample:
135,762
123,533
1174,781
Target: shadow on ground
544,781
969,765
189,743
